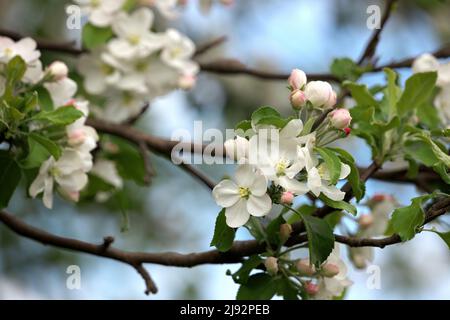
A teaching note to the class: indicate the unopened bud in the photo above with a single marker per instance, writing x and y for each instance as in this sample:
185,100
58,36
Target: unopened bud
271,264
187,82
329,270
58,70
318,93
297,98
311,288
287,197
365,221
76,137
305,268
297,79
285,232
332,99
340,118
378,197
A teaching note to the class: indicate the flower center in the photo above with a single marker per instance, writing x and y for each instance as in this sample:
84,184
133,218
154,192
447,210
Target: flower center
8,52
244,192
106,69
322,170
134,39
95,3
280,168
55,172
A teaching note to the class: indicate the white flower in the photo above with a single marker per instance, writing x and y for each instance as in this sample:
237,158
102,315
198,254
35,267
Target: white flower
58,70
34,72
121,106
61,91
333,287
101,12
319,181
177,52
107,170
166,7
319,93
134,38
244,196
425,63
25,48
67,172
237,149
297,79
97,72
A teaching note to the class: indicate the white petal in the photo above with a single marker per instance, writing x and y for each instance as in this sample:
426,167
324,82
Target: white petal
314,180
294,186
259,206
333,193
259,185
245,175
48,193
292,129
73,182
226,193
237,215
345,171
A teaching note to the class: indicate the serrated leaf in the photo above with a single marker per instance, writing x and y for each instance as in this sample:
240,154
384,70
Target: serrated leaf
332,163
223,235
61,116
320,239
346,69
405,221
361,94
418,89
342,205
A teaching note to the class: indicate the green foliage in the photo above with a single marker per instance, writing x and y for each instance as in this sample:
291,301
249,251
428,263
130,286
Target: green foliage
61,116
259,286
95,36
342,205
9,178
49,145
243,273
332,162
268,116
346,69
418,88
223,235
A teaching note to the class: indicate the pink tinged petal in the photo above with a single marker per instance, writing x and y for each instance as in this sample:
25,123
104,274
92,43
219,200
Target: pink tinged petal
226,193
259,206
245,175
259,185
333,193
294,186
237,215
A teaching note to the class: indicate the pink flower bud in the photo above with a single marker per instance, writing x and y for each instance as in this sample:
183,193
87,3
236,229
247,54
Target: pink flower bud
73,195
378,197
329,270
297,98
187,82
58,70
287,197
311,288
365,221
305,268
76,137
297,79
271,264
227,2
285,232
340,118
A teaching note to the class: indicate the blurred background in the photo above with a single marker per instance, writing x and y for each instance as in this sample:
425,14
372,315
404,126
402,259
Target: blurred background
177,213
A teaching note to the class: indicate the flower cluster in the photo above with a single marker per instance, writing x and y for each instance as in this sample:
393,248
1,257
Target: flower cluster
427,62
373,224
74,160
136,64
278,162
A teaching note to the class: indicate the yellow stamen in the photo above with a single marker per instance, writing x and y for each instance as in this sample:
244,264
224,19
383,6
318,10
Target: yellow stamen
244,192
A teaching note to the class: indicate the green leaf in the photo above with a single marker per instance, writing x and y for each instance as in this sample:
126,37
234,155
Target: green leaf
45,99
320,239
95,36
48,144
418,89
129,161
32,102
286,289
243,127
342,205
223,235
421,147
346,69
392,91
15,70
353,178
361,94
36,155
242,274
405,221
10,175
259,286
264,112
61,116
332,163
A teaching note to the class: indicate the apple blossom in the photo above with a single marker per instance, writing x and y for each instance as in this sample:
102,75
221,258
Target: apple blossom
61,91
101,13
287,197
107,171
237,149
244,197
297,98
177,52
25,48
297,79
311,288
271,264
424,63
58,70
319,181
305,268
329,270
340,118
